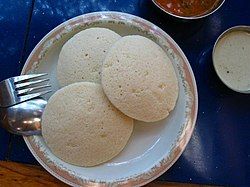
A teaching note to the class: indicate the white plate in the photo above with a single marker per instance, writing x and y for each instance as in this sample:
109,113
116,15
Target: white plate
153,148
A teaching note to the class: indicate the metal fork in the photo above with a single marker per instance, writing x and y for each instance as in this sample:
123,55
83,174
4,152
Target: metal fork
18,89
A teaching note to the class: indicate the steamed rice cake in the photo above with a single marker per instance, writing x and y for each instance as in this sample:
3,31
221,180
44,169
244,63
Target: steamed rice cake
82,127
81,56
139,79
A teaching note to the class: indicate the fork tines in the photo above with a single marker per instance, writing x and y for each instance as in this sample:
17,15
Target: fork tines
18,89
32,96
26,88
26,84
21,78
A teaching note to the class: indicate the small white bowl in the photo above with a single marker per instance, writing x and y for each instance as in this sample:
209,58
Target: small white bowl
231,58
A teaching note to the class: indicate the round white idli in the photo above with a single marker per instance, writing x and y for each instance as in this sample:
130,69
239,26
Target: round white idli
82,127
81,56
139,79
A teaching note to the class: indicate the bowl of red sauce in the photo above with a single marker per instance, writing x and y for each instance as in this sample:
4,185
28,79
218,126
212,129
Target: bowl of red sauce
189,9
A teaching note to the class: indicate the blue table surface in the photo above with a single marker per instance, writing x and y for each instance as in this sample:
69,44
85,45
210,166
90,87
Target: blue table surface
218,152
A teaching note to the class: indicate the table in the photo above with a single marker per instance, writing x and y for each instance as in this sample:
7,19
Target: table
218,152
31,175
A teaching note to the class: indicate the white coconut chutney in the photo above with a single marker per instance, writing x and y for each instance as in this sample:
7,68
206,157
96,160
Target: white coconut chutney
232,60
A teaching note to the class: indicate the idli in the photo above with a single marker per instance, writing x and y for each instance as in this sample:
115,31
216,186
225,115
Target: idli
139,79
82,127
81,56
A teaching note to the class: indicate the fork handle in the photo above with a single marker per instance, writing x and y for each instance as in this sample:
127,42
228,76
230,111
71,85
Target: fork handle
7,96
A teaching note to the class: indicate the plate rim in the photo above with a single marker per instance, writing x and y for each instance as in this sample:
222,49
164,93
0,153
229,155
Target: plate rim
153,173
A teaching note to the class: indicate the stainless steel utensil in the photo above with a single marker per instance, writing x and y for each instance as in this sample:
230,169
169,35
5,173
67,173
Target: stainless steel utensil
19,89
209,12
242,28
24,118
